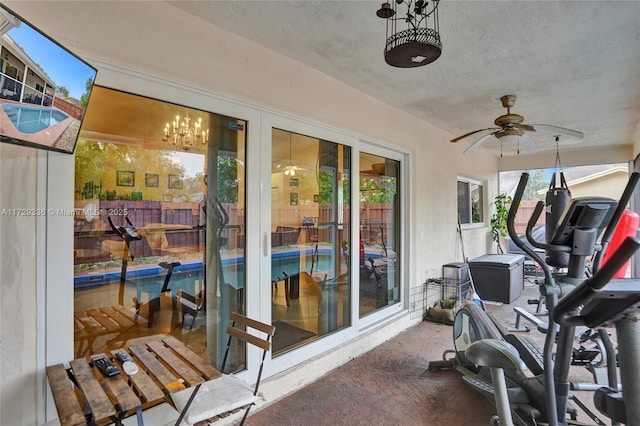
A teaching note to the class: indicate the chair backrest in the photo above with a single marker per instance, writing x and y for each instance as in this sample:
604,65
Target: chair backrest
238,322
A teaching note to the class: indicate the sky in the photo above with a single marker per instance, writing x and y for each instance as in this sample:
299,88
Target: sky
192,163
61,66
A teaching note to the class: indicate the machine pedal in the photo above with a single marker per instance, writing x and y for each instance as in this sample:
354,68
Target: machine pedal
481,384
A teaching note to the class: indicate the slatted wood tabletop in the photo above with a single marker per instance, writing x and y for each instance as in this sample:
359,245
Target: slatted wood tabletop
93,323
164,367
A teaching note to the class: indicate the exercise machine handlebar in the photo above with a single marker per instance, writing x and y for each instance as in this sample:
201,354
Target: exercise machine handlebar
551,294
513,210
562,313
615,219
127,233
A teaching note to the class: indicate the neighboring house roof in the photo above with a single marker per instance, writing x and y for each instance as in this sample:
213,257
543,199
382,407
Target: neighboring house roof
7,21
608,171
18,52
597,175
573,175
73,101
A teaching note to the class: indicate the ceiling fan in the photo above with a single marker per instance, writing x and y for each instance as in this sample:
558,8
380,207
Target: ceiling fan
512,129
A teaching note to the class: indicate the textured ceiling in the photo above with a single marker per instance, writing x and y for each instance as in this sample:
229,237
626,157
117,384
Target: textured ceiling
573,64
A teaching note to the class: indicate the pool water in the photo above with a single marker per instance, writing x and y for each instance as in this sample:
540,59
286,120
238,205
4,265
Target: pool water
28,119
189,281
185,276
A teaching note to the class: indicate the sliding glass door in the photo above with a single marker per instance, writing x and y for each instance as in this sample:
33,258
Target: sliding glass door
159,237
379,250
310,238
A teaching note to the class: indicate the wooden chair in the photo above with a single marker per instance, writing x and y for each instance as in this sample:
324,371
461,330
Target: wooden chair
311,226
189,306
226,394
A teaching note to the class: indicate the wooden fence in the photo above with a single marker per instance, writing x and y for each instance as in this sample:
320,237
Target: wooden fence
181,226
69,108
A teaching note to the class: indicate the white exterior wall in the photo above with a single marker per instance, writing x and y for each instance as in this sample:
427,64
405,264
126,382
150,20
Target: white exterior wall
156,39
18,257
611,185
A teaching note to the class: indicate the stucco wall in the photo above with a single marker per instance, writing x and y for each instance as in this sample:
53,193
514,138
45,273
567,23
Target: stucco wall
18,386
157,39
611,186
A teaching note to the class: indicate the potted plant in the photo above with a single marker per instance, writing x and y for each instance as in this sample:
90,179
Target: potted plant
502,203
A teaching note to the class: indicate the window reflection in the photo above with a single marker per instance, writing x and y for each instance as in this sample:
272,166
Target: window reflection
310,245
159,232
379,233
470,201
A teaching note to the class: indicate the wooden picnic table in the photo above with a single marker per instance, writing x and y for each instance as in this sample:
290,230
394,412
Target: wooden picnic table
165,366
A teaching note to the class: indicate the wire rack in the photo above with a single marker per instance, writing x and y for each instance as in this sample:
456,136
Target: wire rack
418,298
443,297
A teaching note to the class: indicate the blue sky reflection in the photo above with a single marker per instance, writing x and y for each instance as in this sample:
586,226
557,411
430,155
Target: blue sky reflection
62,67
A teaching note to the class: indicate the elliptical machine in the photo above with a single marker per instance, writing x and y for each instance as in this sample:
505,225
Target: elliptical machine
492,360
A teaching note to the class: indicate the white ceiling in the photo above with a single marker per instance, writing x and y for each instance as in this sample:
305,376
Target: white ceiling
573,64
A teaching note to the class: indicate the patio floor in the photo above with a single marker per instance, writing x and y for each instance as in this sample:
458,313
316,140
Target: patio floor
390,385
386,386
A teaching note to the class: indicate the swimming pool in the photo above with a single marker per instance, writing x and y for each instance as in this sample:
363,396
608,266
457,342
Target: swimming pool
292,262
30,119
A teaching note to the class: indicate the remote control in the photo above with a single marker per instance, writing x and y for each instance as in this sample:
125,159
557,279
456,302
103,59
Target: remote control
105,366
123,356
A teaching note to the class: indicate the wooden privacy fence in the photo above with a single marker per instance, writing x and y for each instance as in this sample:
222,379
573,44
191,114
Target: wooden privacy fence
524,214
168,227
71,109
183,226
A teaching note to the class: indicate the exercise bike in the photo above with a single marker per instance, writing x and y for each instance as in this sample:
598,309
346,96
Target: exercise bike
493,361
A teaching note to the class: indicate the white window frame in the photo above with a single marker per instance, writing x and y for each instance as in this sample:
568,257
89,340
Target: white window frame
374,148
471,182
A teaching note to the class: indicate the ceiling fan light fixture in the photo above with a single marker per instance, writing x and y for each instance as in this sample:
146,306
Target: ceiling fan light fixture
290,171
508,135
512,130
509,139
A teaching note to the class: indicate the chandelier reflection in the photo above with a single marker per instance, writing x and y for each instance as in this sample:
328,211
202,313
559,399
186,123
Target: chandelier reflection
290,170
181,135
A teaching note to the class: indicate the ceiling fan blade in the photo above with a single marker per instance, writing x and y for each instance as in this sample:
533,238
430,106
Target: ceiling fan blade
526,127
479,142
527,143
560,130
475,131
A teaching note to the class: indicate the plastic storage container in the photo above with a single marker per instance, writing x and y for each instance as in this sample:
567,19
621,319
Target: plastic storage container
456,270
498,277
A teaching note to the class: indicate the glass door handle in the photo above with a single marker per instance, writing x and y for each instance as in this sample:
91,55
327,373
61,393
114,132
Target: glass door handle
265,240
